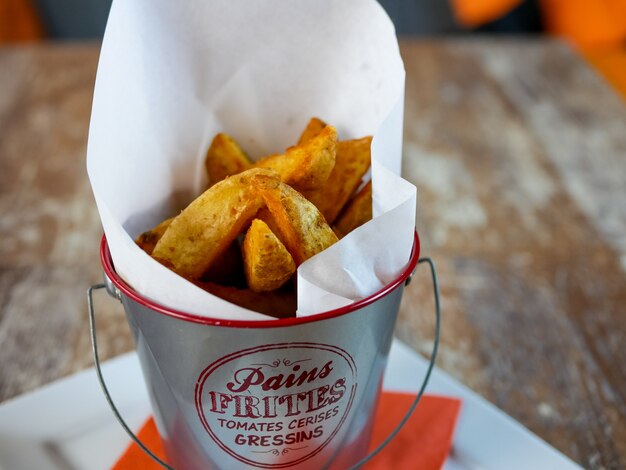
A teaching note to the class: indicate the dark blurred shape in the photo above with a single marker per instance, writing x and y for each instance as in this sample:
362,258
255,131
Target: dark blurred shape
525,18
421,17
86,19
74,19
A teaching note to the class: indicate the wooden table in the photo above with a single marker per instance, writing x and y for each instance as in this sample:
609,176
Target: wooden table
518,150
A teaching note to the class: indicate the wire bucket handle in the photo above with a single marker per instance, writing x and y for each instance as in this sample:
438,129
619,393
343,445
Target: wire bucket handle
113,291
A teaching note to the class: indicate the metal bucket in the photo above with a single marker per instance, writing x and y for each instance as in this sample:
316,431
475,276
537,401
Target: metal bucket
290,393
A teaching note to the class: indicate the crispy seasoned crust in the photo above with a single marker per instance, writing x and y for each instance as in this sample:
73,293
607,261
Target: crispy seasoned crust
313,128
224,158
307,166
205,229
301,226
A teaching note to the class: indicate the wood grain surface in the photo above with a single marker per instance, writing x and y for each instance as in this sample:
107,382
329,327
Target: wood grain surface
518,151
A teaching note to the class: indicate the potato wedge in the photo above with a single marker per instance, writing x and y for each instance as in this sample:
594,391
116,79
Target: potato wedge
228,268
313,128
267,263
352,161
300,225
224,158
279,303
357,212
207,227
148,240
306,167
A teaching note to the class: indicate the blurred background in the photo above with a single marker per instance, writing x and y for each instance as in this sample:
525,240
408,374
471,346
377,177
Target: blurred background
597,28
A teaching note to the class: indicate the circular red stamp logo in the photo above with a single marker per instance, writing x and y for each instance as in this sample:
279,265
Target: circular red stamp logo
276,405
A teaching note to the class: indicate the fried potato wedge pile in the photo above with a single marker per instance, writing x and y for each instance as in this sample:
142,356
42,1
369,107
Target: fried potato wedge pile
244,237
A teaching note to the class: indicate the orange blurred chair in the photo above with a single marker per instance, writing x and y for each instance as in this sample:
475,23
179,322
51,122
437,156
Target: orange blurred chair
19,22
596,27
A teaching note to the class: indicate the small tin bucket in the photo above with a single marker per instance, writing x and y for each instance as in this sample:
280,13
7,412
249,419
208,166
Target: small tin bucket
289,393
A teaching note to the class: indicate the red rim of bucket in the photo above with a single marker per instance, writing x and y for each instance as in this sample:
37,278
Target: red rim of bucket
109,270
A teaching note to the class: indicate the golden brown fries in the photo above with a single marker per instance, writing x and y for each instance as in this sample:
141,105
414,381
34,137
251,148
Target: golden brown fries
301,226
207,227
351,163
245,236
267,263
357,212
225,158
279,303
313,128
148,240
306,167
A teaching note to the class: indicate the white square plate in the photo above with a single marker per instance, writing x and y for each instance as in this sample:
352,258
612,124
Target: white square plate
67,425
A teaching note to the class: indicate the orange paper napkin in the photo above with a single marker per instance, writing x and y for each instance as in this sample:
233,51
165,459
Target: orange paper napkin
423,443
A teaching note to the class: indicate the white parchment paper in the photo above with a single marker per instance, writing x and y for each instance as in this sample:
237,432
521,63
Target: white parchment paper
173,74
